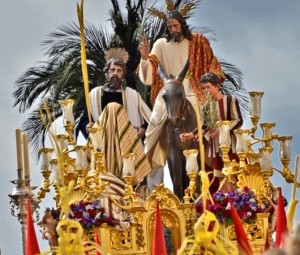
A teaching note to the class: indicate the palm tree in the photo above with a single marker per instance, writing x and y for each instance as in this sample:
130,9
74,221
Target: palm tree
60,76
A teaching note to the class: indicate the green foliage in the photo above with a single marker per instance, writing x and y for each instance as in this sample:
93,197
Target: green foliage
209,113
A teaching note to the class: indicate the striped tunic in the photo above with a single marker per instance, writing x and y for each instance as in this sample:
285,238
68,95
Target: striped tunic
227,109
121,138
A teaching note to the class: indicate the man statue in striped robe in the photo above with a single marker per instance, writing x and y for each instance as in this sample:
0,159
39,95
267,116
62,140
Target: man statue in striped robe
123,114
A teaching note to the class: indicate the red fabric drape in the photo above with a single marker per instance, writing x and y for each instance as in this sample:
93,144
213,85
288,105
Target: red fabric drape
242,240
158,245
281,222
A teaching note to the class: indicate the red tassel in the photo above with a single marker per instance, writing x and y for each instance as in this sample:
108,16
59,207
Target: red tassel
32,246
158,245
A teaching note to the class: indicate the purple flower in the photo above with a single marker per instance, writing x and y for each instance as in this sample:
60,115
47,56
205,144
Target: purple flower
90,214
243,200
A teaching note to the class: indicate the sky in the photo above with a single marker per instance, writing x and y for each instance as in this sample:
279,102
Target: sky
260,37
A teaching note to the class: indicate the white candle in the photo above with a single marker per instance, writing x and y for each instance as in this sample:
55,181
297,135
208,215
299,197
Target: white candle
266,162
81,157
241,140
191,160
267,129
19,148
255,106
26,156
224,128
97,138
285,147
67,108
45,155
19,153
69,117
128,164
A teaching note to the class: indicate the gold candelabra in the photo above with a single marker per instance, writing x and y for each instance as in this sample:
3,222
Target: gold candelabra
18,199
23,190
245,147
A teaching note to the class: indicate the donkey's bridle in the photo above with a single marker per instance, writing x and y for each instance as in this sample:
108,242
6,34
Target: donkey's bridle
179,114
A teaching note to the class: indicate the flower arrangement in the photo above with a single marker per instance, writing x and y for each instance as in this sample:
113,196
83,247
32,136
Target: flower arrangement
243,200
88,214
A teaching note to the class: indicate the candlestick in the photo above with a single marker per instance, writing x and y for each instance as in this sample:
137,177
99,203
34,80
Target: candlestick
26,156
191,160
45,155
67,107
81,157
241,140
97,138
255,107
224,128
267,129
19,153
285,147
265,160
128,164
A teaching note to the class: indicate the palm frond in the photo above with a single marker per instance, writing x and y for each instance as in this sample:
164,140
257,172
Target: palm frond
233,85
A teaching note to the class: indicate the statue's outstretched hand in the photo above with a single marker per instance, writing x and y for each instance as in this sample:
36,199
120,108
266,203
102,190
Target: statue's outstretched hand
144,47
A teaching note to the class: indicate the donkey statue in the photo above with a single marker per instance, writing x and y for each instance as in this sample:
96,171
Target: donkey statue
181,119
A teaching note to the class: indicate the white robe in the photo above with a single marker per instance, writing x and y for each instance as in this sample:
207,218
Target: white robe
172,56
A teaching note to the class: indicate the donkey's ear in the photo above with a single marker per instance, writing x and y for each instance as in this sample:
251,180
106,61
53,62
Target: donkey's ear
162,74
183,72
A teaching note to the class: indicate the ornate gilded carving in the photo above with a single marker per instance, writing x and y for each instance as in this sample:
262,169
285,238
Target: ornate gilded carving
254,178
256,232
121,239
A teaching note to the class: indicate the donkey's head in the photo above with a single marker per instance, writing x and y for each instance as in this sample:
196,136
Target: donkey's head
173,94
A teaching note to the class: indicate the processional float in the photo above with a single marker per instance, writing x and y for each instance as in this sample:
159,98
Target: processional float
123,221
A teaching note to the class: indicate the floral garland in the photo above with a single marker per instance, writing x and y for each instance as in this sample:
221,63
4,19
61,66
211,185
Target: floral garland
244,201
88,214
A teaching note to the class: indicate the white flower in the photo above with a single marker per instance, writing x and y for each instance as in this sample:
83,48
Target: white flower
88,206
249,214
228,206
252,200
